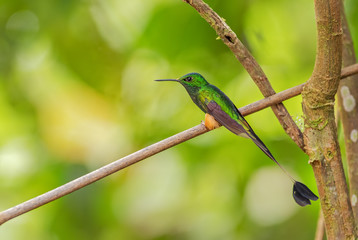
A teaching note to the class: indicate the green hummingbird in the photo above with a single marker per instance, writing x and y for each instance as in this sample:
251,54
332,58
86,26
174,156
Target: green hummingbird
217,106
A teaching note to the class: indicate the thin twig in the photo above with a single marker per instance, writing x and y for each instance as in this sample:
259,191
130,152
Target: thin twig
274,99
291,92
320,229
251,66
349,71
142,154
101,173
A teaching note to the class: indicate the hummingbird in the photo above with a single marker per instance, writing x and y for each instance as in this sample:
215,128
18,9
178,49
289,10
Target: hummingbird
220,110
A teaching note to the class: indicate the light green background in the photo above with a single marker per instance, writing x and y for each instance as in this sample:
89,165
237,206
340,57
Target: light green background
77,92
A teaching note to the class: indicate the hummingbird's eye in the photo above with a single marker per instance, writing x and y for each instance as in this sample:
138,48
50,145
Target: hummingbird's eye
188,79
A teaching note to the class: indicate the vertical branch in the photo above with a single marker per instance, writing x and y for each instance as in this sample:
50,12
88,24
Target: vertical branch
348,110
320,227
320,134
251,66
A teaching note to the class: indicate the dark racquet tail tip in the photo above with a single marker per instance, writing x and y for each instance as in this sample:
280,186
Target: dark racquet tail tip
302,194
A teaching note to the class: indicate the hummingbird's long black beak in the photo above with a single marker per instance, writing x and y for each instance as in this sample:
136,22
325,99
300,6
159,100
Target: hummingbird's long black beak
163,80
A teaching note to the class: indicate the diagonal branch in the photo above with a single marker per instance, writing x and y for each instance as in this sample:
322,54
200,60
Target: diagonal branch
101,173
291,92
251,66
145,153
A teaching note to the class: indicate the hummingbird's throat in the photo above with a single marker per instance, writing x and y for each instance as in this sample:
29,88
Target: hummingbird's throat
210,122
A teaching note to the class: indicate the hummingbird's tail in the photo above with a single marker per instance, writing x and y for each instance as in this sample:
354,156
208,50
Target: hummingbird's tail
301,193
263,147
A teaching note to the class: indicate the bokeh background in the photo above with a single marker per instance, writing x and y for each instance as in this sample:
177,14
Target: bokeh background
77,92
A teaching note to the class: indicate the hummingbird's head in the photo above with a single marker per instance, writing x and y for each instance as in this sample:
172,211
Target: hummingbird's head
191,81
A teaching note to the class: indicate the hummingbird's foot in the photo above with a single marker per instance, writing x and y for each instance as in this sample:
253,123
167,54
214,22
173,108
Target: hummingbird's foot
210,122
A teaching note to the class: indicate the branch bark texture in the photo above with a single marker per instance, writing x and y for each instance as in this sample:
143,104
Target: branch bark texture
348,110
320,133
251,66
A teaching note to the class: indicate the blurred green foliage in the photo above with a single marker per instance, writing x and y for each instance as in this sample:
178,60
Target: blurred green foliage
77,92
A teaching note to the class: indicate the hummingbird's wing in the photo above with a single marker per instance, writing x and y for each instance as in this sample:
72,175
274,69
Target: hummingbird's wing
224,119
240,127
